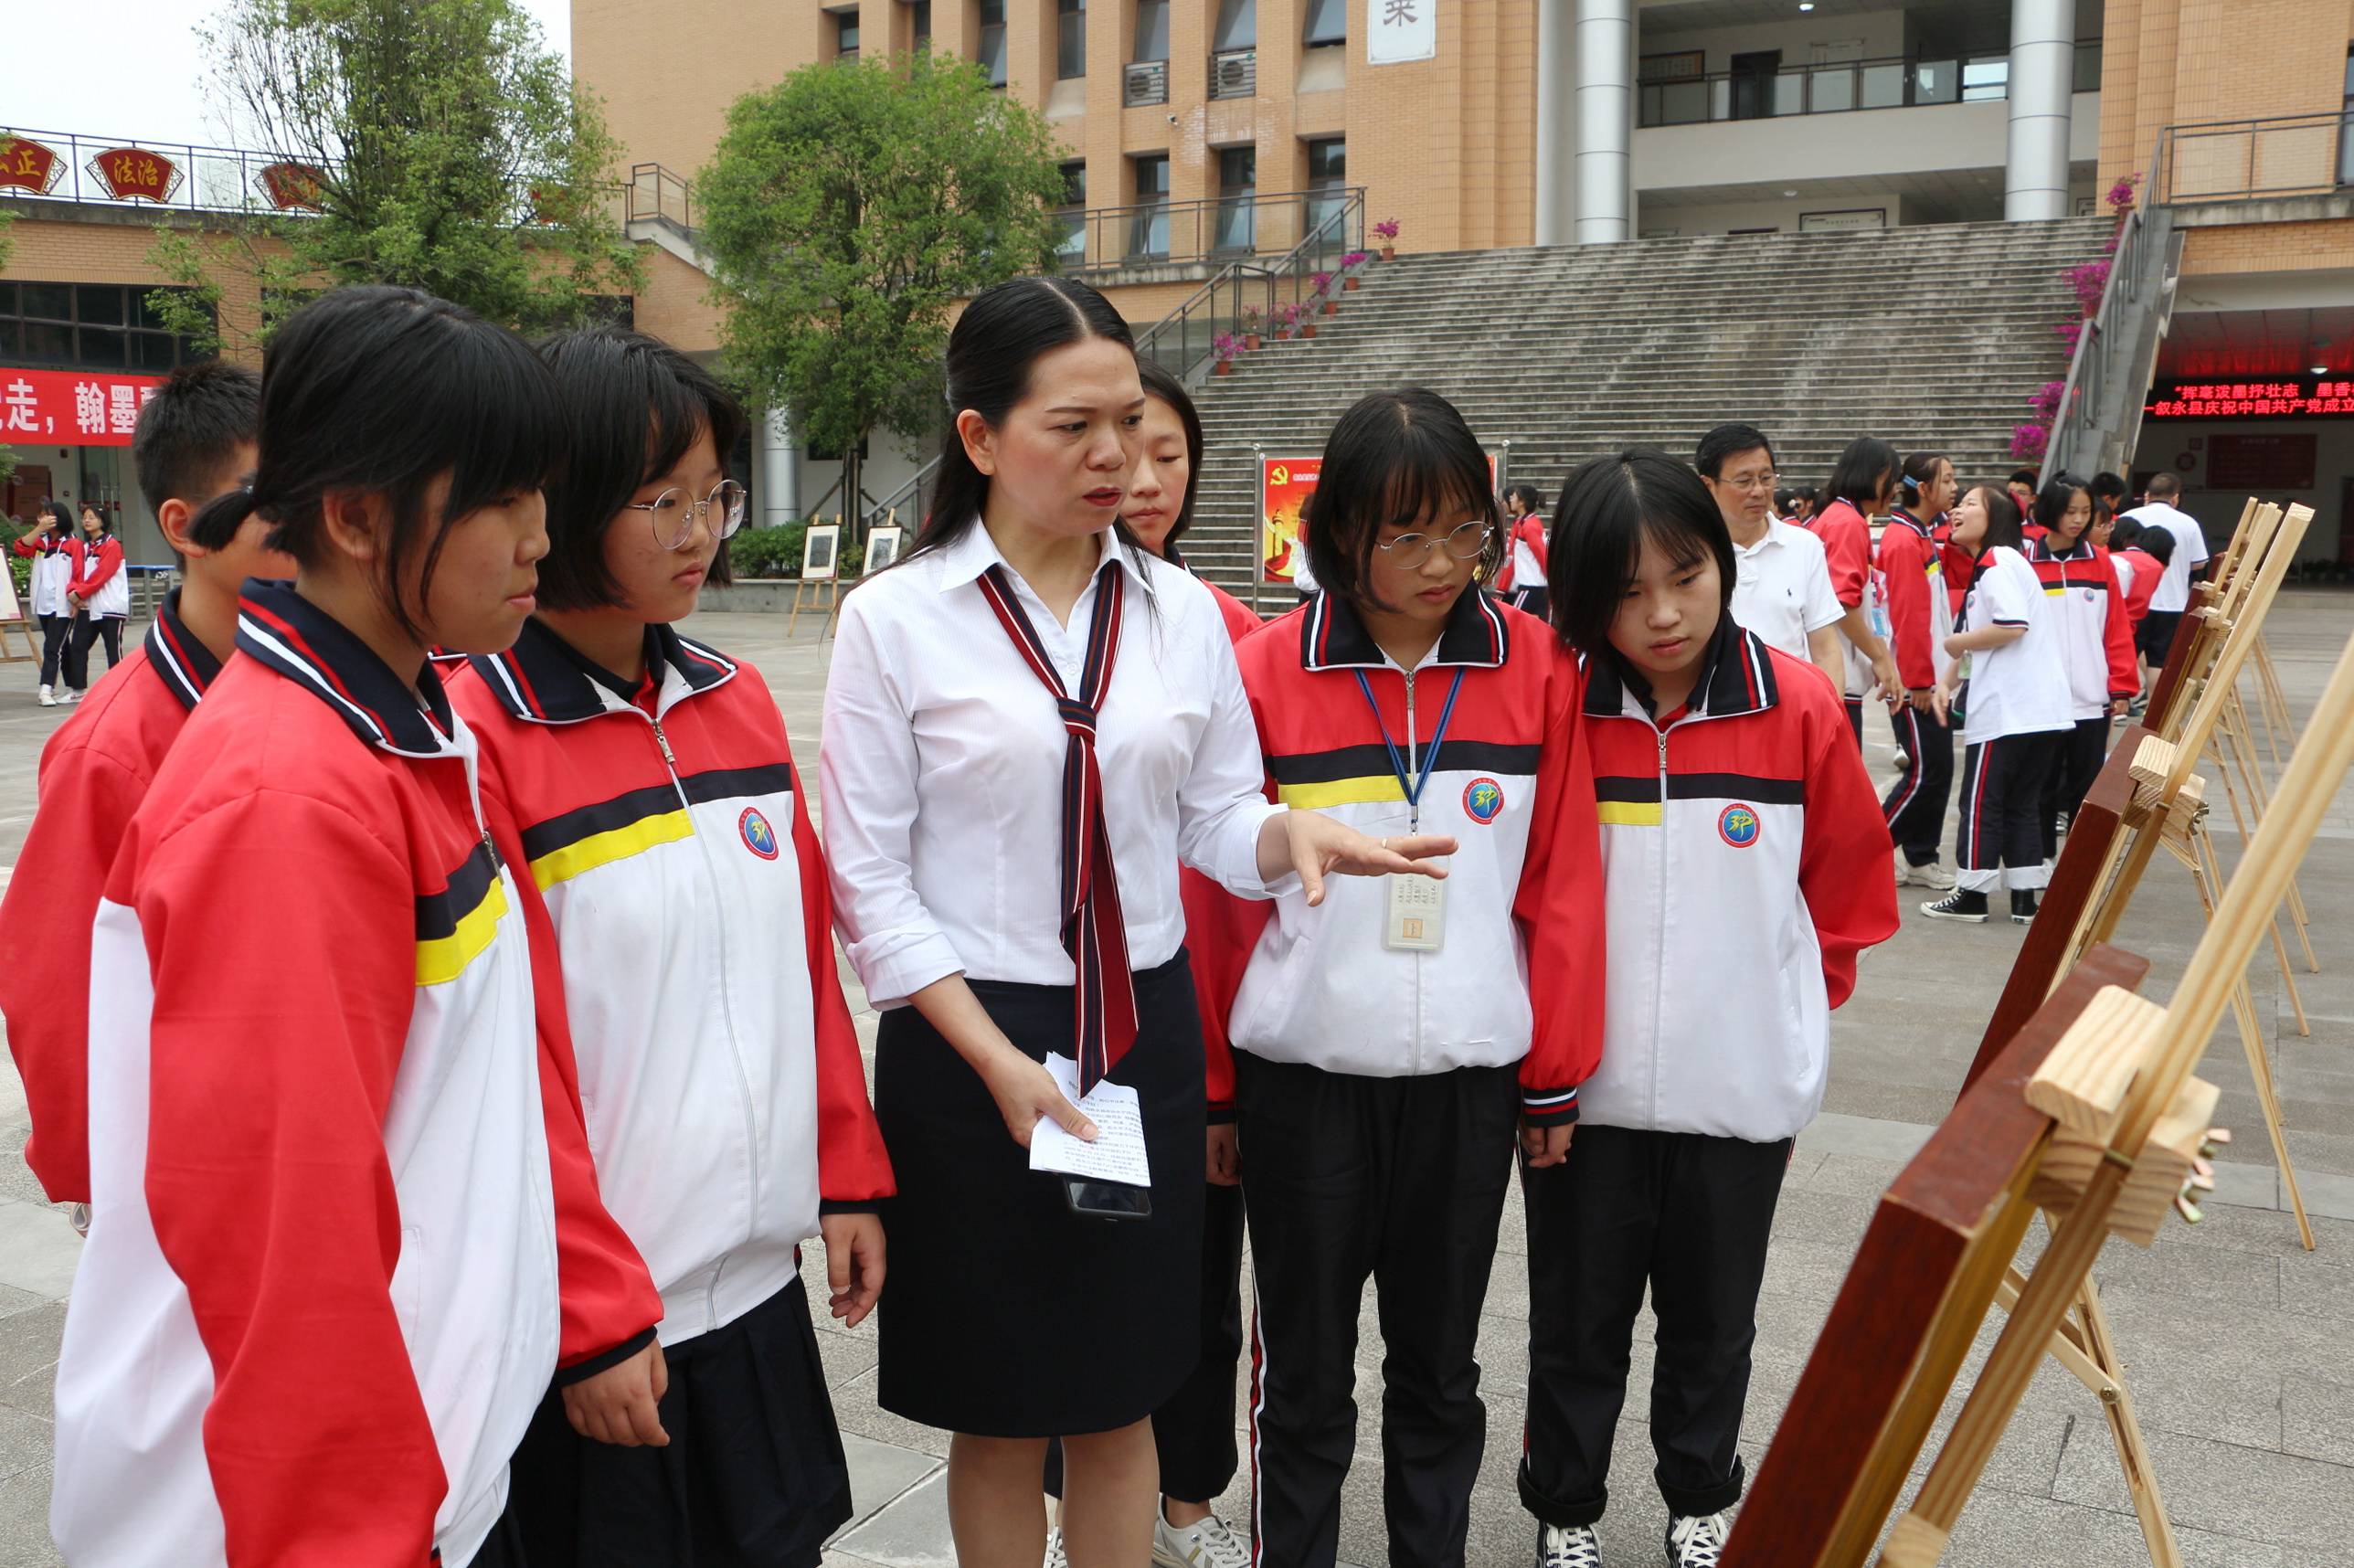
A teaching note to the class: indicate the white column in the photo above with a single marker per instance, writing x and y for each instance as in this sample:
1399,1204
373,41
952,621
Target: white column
2042,85
780,469
1606,121
1556,143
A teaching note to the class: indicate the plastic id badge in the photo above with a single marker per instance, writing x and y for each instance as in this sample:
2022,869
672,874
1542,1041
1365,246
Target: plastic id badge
1417,915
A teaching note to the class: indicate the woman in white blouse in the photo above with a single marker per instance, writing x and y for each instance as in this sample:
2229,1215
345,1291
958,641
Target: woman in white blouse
1029,723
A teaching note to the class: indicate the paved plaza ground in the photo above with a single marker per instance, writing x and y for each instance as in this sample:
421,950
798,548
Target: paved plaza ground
2239,1345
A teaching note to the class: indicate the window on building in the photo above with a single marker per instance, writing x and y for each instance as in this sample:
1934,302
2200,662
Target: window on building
1149,231
1328,176
1327,23
1238,198
1074,214
1151,30
1070,39
991,49
920,23
88,326
2346,127
845,35
1237,26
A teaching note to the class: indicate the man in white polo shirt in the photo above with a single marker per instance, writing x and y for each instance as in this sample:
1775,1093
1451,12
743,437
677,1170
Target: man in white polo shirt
2154,636
1784,592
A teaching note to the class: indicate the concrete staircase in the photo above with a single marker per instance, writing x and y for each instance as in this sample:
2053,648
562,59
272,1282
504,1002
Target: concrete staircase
1932,337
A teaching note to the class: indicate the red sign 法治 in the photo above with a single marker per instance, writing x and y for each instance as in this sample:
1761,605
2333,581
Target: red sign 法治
27,165
291,186
135,174
72,407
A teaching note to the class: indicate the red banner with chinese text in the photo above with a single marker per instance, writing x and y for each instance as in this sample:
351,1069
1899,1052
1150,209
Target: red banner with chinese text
135,174
27,165
72,407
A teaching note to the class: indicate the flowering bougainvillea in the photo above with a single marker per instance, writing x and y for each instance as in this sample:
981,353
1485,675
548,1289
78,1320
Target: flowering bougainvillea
2121,195
2028,441
2089,279
2046,401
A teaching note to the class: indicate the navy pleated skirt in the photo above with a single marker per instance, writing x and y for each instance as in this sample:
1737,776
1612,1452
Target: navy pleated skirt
1003,1314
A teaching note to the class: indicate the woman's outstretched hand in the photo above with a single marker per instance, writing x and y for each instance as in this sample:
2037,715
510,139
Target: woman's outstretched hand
1316,846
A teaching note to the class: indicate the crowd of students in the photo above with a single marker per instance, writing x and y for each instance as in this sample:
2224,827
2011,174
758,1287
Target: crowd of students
80,594
425,958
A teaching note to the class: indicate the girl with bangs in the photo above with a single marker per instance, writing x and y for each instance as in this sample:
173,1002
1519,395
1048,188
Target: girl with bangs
1746,869
1392,1047
319,1301
683,932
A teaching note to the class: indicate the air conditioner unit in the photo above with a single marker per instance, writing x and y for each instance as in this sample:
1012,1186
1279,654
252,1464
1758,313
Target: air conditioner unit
1235,75
1146,81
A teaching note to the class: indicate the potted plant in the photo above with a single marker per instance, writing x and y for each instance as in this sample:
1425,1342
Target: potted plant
1252,321
1227,345
1386,231
1286,319
1350,265
1303,317
1324,291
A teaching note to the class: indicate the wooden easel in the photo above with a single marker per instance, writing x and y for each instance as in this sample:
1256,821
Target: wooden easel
809,592
2090,1111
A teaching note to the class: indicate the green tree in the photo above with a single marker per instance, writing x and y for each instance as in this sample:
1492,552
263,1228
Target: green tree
845,211
453,155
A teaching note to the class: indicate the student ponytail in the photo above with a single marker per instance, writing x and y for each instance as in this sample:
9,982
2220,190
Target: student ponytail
222,516
1920,470
997,340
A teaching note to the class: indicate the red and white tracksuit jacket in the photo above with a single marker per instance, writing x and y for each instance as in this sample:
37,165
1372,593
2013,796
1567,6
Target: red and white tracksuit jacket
318,1304
1525,554
52,573
683,945
1518,978
95,771
1846,534
1746,868
2144,569
2096,641
1960,566
98,579
1920,612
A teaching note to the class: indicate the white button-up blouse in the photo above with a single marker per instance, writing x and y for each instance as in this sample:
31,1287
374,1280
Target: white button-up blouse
941,770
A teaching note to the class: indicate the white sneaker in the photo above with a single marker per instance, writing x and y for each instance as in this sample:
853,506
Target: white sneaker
1055,1558
67,696
1937,875
1575,1546
1212,1544
48,698
1695,1540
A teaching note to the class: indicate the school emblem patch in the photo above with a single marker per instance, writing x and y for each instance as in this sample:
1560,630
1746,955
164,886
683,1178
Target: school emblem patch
1738,825
1483,800
759,836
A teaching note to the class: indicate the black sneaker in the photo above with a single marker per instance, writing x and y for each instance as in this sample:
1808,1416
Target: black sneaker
1958,905
1694,1541
2060,826
2023,907
1574,1547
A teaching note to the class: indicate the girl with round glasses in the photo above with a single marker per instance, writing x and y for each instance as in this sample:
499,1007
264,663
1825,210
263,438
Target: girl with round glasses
641,785
1391,1047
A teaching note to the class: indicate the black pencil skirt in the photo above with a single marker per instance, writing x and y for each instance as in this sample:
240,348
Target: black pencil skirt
1006,1314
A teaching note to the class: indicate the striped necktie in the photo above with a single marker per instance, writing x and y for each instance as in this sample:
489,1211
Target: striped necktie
1093,932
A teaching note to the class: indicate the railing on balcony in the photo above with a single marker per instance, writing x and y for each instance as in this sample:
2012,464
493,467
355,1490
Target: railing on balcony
1233,73
1895,82
2255,160
1221,229
2098,421
178,174
660,196
1144,82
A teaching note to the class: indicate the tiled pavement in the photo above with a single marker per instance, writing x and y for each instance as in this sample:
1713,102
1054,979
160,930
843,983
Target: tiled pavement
2237,1341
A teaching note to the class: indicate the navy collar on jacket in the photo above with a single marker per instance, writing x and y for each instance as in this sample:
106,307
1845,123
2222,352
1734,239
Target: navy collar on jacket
545,680
1736,677
2040,548
1332,637
303,642
1905,515
177,655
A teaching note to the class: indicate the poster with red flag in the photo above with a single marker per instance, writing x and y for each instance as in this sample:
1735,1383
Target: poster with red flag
1285,484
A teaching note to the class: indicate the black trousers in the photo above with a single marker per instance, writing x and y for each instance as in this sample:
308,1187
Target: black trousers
503,1547
1855,719
87,629
1916,805
57,635
2154,636
1536,601
2075,762
2004,823
1193,1430
1402,1180
1688,1215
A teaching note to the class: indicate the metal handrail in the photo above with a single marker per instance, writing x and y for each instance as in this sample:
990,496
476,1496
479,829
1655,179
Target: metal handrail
660,195
2081,441
2310,148
1215,228
212,179
1185,340
1714,90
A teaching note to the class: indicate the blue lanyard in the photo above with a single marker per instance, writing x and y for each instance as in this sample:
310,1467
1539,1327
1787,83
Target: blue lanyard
1411,787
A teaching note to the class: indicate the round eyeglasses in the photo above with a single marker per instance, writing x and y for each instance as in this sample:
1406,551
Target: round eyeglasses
1466,543
673,513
